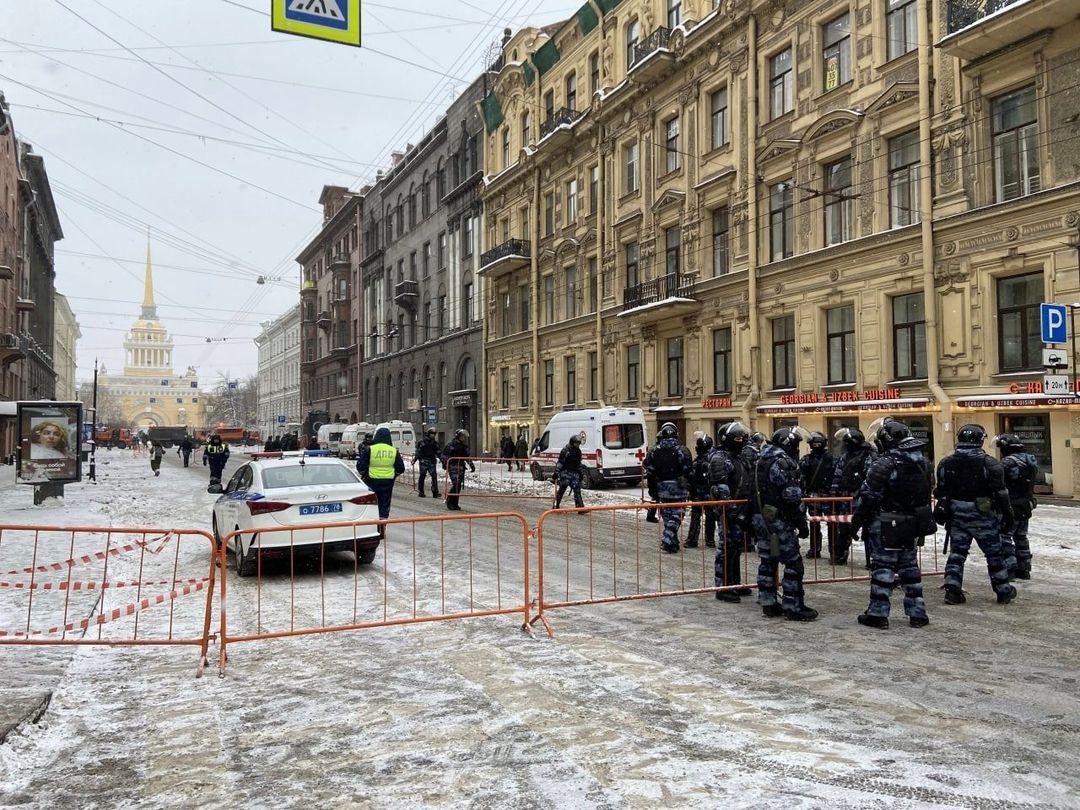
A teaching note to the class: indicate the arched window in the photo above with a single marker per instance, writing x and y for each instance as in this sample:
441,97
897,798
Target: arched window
467,375
376,402
412,207
633,34
389,225
414,385
399,215
428,394
442,381
389,391
402,395
425,208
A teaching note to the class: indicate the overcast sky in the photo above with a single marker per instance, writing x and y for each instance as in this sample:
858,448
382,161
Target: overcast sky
193,118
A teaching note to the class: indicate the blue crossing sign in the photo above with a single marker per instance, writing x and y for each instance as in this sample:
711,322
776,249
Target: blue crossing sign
1054,324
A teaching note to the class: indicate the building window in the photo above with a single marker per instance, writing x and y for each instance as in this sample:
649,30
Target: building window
549,299
525,397
594,188
1016,145
524,292
594,377
781,221
633,365
571,292
837,52
838,202
1019,335
427,321
719,117
549,213
549,105
441,325
904,179
783,352
721,360
467,238
571,91
426,259
671,144
526,129
571,201
840,328
901,26
631,252
442,250
909,337
630,167
594,73
549,382
672,240
571,379
506,147
674,13
412,266
504,388
633,32
720,235
781,96
592,282
675,367
467,300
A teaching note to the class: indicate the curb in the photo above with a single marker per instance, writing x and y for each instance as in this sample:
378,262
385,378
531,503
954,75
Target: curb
31,715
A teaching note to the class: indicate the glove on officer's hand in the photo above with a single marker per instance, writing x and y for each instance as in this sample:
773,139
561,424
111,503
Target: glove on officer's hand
941,513
856,522
804,530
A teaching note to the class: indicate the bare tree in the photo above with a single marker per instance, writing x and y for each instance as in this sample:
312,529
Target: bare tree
108,405
233,402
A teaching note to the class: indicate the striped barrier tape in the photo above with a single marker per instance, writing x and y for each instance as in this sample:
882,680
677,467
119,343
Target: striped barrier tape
111,615
829,518
86,559
93,586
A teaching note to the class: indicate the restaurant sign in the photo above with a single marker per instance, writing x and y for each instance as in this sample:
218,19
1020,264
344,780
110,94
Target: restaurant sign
1034,387
867,395
716,402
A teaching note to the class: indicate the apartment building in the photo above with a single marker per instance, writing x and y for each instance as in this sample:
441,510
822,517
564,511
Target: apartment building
785,212
278,377
65,337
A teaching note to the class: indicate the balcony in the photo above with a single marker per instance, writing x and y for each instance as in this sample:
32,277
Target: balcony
323,320
665,297
343,352
12,348
6,273
558,130
980,27
24,304
407,294
307,289
513,254
340,263
653,57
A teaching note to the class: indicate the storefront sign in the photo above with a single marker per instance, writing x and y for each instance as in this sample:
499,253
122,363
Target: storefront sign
461,400
1016,402
869,395
49,442
501,417
1033,387
834,405
716,402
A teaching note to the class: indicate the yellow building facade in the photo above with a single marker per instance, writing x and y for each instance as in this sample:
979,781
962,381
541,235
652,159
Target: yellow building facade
721,210
148,393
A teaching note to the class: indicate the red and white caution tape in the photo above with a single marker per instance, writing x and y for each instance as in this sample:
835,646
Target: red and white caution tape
111,615
94,586
829,518
86,559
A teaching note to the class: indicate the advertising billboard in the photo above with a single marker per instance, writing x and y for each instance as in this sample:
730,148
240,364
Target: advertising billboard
49,434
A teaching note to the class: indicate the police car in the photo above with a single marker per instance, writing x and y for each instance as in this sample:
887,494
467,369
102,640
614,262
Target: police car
275,490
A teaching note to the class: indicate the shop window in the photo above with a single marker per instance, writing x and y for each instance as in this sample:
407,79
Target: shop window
922,427
840,328
909,337
1033,429
1019,335
836,423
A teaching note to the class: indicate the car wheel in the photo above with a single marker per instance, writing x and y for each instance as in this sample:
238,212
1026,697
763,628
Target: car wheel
536,473
245,563
591,479
367,556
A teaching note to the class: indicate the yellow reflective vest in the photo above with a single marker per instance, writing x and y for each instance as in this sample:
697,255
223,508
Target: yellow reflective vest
381,463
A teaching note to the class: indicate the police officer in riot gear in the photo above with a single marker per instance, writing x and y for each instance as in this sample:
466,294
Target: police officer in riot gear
455,457
728,479
699,491
817,471
669,469
1021,469
568,472
427,453
893,509
779,520
849,472
973,504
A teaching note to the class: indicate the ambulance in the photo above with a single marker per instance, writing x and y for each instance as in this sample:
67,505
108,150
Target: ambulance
613,444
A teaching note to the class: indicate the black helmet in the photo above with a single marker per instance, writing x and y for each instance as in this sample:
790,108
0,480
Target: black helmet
704,444
787,439
851,438
891,434
733,437
757,439
668,431
818,441
430,431
1009,443
462,433
971,436
214,437
575,439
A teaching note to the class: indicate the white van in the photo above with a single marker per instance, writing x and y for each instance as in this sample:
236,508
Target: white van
352,438
329,436
613,444
402,436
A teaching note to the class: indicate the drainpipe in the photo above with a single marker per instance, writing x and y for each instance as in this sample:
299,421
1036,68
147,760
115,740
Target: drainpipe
601,230
750,143
926,203
534,276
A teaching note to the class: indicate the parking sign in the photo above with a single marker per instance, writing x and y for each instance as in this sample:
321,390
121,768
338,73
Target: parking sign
1054,325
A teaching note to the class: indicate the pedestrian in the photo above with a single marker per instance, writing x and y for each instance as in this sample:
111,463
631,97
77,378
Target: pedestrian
455,457
779,521
727,481
215,456
973,504
506,451
568,472
699,491
427,453
521,452
157,451
379,466
670,468
849,472
1021,469
312,442
185,449
893,510
816,468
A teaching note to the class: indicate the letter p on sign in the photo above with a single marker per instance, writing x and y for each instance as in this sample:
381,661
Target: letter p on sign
1054,328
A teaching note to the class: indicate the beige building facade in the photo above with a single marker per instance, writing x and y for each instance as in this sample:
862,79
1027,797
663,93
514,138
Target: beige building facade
781,212
65,335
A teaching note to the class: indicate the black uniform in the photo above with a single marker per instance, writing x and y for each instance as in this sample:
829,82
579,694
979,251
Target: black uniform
454,460
427,453
699,491
506,450
849,472
568,471
817,474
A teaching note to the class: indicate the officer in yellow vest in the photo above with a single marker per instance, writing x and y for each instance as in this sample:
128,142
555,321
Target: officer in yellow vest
379,464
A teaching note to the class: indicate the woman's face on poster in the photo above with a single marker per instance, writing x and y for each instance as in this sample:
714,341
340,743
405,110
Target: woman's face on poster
50,435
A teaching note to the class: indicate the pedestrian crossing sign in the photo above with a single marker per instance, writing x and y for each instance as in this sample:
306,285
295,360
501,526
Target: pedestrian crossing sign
332,20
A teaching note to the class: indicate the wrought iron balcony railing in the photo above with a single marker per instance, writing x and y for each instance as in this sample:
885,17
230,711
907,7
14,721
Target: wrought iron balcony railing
673,285
561,116
660,38
511,247
962,13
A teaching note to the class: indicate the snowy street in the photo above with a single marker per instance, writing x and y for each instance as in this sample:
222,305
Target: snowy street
671,702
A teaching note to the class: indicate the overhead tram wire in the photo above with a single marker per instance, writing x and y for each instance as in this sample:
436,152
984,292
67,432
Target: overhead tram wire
139,303
222,274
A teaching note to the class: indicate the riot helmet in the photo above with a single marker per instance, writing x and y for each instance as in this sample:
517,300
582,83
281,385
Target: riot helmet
971,436
704,445
214,437
462,434
788,438
851,438
668,431
575,440
818,442
1009,443
430,432
733,437
757,439
888,433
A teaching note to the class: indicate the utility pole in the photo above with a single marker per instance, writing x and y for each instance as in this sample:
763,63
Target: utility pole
93,436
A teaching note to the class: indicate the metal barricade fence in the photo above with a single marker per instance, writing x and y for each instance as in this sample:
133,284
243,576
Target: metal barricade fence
487,477
88,585
424,569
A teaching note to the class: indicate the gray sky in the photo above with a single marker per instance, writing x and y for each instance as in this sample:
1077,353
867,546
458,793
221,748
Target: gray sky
193,118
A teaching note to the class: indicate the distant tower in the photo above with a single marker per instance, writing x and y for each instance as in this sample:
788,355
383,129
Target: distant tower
148,347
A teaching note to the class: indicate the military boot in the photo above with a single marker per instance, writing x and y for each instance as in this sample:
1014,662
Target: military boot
801,614
954,595
1006,596
880,622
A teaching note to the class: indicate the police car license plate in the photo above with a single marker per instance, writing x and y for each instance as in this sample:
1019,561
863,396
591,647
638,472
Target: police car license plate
319,508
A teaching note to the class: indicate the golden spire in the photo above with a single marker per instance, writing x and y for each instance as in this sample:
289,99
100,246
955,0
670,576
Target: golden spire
149,310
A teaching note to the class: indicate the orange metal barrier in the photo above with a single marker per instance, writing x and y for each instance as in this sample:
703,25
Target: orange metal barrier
106,586
424,569
497,478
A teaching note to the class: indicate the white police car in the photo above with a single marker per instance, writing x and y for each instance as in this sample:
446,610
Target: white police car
275,490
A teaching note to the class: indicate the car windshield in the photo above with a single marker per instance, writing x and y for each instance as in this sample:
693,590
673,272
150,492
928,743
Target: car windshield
304,475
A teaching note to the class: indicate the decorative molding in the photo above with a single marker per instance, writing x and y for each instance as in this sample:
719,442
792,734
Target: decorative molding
831,122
